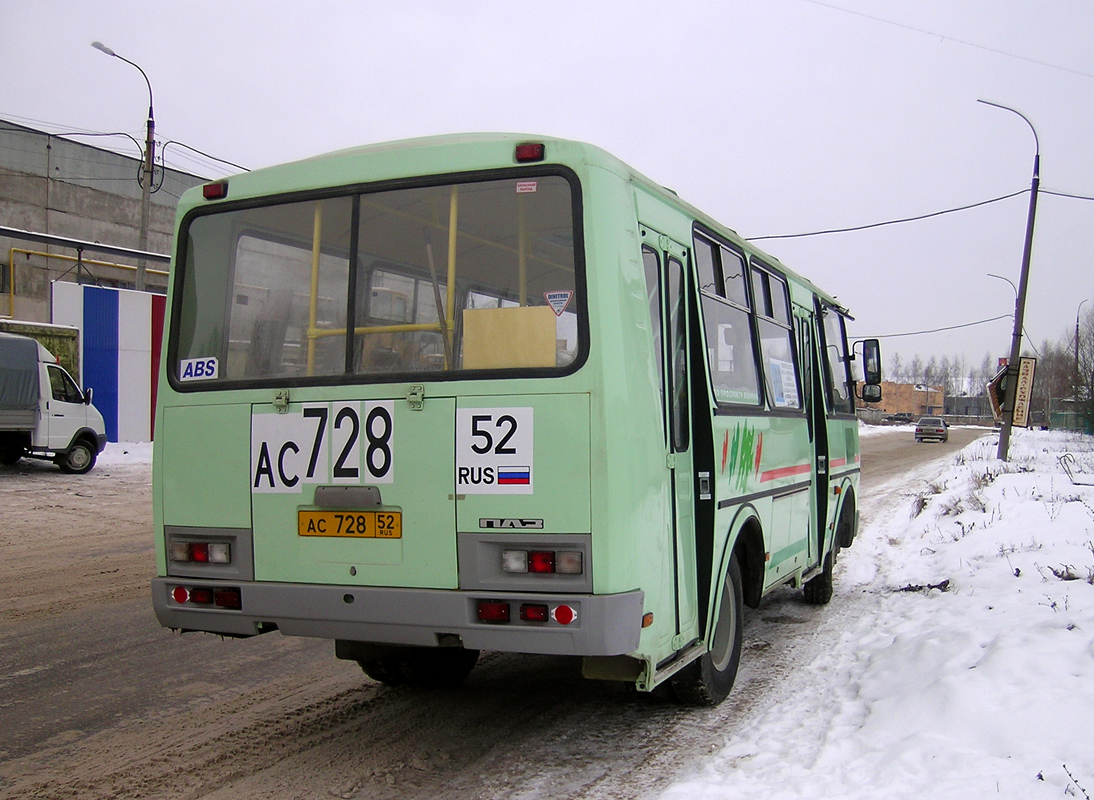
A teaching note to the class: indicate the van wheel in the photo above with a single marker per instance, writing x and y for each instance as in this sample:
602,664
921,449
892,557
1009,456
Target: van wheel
9,457
78,460
708,680
422,667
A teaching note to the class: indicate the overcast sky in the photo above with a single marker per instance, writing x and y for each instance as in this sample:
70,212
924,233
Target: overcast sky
774,116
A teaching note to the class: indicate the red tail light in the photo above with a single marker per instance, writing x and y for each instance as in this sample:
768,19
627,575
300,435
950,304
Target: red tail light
534,612
228,598
493,611
541,561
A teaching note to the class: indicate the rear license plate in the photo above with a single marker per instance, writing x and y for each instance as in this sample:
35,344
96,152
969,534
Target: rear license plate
356,524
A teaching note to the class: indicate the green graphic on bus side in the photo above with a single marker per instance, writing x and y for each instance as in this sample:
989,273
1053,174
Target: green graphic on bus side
742,454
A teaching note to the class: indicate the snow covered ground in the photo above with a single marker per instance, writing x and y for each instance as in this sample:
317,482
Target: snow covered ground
961,662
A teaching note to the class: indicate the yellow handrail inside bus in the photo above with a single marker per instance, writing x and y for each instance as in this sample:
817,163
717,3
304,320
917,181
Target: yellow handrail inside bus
409,327
313,301
522,251
453,217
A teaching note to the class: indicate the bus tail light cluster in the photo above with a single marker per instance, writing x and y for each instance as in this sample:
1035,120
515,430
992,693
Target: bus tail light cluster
542,562
499,612
230,598
201,552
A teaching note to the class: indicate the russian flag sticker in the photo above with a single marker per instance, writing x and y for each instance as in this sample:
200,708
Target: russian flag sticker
514,476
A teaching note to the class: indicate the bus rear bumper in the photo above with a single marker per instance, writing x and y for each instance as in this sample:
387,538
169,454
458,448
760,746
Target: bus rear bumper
602,625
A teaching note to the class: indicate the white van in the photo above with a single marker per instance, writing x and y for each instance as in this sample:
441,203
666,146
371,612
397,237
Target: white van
43,413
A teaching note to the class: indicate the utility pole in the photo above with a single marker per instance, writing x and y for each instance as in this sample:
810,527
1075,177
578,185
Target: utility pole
147,168
1020,300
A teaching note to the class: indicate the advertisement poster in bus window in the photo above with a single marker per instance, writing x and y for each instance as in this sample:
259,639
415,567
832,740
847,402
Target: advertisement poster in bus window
494,451
783,383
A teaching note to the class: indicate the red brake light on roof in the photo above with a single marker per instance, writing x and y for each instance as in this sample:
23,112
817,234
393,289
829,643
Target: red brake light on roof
215,191
530,151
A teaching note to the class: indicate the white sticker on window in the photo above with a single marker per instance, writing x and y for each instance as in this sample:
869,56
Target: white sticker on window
558,301
527,187
198,369
494,451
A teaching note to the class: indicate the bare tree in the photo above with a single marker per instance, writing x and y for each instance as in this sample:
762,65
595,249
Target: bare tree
894,367
1084,377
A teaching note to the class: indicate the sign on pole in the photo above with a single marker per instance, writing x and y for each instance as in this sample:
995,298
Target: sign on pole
1024,391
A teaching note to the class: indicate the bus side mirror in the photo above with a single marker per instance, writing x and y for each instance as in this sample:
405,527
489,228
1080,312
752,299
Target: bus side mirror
87,396
871,362
871,393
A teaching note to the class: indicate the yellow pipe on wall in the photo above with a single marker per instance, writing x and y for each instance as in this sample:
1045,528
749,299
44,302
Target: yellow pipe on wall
11,269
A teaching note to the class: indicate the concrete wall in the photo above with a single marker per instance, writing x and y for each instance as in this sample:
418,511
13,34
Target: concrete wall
54,185
915,399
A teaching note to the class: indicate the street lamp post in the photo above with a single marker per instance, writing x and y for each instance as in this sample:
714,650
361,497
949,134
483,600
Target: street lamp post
148,166
1020,300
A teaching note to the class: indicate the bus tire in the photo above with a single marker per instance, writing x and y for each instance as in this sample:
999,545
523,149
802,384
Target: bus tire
383,670
818,591
421,667
79,459
437,667
707,681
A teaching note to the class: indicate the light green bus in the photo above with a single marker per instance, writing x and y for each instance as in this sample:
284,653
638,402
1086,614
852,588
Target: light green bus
488,392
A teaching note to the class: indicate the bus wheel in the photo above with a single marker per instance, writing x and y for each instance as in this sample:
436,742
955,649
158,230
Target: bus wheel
437,667
423,667
383,670
818,591
78,460
707,681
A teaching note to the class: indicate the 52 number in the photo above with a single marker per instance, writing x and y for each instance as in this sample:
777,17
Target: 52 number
480,429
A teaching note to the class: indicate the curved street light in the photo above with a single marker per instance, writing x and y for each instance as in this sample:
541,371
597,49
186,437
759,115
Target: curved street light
149,162
1020,299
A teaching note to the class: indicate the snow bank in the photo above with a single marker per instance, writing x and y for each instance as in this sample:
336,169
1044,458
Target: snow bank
961,657
126,453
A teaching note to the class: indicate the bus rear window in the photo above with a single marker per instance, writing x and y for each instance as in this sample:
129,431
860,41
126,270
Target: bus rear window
437,279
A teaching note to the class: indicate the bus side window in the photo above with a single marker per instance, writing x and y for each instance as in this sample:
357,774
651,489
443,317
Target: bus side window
728,326
651,265
837,377
678,375
776,343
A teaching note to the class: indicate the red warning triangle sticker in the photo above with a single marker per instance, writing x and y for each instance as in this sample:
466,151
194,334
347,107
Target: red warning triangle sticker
558,301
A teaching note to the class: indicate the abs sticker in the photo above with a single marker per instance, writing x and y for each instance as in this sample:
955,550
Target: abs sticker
198,369
494,451
350,443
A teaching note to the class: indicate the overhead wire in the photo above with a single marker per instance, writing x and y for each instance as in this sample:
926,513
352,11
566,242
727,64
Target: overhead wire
889,222
954,39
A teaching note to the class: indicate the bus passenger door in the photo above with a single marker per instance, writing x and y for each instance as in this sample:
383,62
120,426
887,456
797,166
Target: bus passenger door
664,262
813,385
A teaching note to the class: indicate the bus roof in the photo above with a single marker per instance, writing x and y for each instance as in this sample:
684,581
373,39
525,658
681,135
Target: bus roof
455,153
